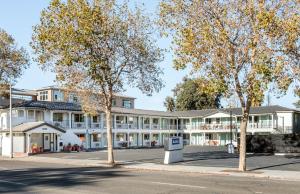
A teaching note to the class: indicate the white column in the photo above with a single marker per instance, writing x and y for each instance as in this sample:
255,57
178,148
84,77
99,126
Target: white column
272,124
86,121
51,116
70,120
34,115
28,143
115,122
203,138
102,120
128,140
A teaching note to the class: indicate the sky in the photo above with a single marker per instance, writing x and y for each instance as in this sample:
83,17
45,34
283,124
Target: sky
17,17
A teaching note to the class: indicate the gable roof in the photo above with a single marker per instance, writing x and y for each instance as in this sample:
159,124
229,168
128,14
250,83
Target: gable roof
28,126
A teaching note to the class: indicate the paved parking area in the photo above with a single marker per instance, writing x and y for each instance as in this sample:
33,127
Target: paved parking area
193,156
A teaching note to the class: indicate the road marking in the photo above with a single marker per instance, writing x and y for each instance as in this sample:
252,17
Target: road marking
10,182
180,185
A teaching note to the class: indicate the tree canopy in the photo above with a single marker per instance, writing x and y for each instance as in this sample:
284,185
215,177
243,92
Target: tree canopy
13,60
189,96
97,47
242,47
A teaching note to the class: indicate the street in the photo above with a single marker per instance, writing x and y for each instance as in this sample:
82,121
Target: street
28,177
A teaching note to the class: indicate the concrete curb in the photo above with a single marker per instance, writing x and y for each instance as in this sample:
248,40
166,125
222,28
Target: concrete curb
269,174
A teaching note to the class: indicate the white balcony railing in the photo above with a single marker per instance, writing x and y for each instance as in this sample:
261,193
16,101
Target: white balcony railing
78,125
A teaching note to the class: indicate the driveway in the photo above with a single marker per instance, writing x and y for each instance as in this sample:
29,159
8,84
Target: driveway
193,156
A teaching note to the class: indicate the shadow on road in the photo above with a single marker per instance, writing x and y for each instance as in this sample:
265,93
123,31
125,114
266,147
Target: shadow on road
22,180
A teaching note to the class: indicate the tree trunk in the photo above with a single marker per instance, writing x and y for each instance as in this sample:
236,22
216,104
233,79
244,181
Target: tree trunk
110,153
243,132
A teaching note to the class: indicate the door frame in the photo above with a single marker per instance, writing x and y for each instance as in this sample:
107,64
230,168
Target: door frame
49,140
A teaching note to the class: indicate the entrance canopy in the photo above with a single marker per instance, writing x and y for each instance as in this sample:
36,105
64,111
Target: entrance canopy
36,127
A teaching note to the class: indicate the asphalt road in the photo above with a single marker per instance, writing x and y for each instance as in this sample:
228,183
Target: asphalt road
24,177
193,156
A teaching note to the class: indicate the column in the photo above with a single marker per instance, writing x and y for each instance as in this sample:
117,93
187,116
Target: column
114,140
28,143
34,115
114,122
203,138
272,121
128,140
57,143
51,116
150,139
86,121
70,120
102,120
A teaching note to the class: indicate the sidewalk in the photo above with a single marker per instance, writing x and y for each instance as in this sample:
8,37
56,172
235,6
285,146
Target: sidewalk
270,174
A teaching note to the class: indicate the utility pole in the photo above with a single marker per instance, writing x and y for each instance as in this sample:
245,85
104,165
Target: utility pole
10,121
230,126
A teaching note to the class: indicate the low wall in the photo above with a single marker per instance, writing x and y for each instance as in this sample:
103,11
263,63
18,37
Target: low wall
274,143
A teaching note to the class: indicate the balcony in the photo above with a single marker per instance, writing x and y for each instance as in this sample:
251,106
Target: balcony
78,125
62,124
155,126
95,125
126,126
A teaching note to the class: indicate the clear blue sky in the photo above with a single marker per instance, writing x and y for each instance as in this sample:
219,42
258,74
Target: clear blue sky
18,16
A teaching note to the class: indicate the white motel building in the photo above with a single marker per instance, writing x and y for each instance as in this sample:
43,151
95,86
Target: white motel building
44,119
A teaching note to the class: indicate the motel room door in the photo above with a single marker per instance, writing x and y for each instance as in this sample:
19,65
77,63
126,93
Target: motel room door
46,141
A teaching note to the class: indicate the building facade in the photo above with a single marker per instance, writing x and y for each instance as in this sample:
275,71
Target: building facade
49,121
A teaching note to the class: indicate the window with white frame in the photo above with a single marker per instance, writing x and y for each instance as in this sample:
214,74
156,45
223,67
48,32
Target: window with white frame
58,117
44,95
79,118
95,119
20,113
126,103
30,114
58,96
73,98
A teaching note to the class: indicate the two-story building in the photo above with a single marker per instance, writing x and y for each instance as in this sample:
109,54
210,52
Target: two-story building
49,120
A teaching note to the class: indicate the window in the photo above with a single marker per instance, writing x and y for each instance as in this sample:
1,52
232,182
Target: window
58,117
121,119
96,137
30,114
126,103
218,120
73,98
44,95
95,119
79,118
155,121
208,121
114,103
58,95
20,113
146,121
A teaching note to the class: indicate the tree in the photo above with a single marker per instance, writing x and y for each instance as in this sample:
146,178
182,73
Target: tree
169,104
241,46
13,61
96,47
297,104
189,96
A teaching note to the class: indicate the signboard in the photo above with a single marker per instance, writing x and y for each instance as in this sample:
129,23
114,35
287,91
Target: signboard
173,143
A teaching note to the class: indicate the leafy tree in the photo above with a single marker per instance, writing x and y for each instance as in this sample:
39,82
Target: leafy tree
13,61
297,104
189,96
241,46
96,47
169,103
